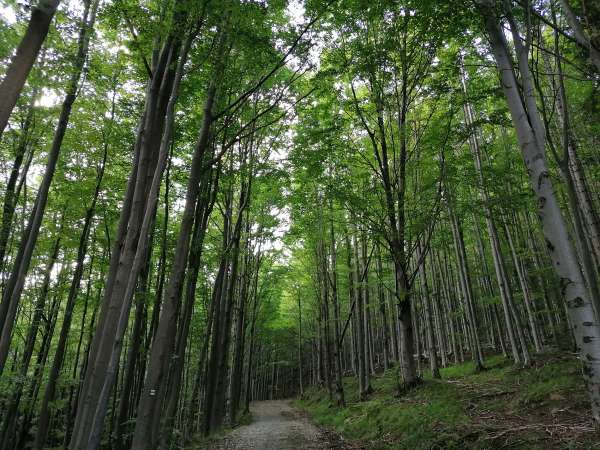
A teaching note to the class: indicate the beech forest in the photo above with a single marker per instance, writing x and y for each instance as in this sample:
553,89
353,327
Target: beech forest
299,224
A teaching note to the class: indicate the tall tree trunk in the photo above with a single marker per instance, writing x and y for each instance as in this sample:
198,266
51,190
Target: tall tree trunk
429,335
530,135
385,330
24,58
585,219
300,368
204,206
57,362
497,256
337,350
128,256
520,269
150,403
14,288
11,413
10,194
133,361
250,373
361,332
235,383
466,289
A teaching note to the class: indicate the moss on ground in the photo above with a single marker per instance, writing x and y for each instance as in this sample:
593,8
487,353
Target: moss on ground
544,406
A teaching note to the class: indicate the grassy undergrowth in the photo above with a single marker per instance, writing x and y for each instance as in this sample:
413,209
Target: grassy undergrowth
503,407
200,441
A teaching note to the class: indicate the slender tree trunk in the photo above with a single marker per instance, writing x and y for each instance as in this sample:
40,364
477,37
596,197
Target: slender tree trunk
300,368
518,263
128,257
429,335
132,361
447,300
585,219
466,289
10,194
204,208
385,341
218,369
57,362
153,394
24,58
250,374
10,416
337,362
530,135
498,258
16,282
361,332
235,382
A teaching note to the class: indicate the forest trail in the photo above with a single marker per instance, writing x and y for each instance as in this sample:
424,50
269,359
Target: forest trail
277,425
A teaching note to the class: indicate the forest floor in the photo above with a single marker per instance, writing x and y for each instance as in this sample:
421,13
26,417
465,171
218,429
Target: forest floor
276,425
542,407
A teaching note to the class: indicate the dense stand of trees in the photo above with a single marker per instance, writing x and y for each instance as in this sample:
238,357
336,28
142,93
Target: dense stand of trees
208,203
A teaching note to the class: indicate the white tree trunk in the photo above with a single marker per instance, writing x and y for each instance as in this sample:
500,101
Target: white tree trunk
578,302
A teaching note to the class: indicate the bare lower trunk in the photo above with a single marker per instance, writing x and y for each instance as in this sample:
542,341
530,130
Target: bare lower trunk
429,335
497,256
530,135
337,361
466,289
57,362
153,394
108,339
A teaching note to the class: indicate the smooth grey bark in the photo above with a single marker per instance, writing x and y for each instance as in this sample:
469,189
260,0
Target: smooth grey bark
585,218
497,256
531,137
108,339
428,319
466,288
527,299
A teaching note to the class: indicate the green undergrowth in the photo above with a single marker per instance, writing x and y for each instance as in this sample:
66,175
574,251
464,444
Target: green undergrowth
200,441
544,406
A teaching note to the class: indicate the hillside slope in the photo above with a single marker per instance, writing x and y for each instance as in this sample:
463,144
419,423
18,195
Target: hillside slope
503,407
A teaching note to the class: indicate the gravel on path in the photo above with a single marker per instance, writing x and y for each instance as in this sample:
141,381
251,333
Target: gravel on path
277,425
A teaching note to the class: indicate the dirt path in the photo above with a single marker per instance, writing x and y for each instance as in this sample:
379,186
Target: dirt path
277,425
